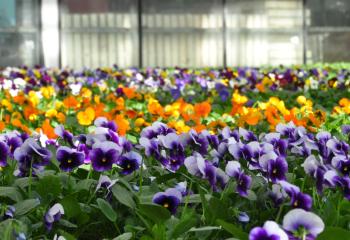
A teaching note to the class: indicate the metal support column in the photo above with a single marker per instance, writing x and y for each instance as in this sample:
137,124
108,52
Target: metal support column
224,33
305,32
139,26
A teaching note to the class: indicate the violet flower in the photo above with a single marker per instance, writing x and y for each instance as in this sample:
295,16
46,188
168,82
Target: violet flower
270,231
297,198
129,162
69,158
53,215
233,169
170,199
4,152
176,151
345,129
275,166
64,134
198,166
301,224
105,182
103,122
31,154
103,155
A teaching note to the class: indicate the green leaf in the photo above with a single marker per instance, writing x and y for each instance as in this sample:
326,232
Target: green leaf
217,208
66,235
107,209
26,206
21,182
183,226
84,185
67,223
9,227
204,229
11,192
235,231
159,232
155,212
329,213
124,236
334,233
123,196
49,187
71,206
251,195
132,138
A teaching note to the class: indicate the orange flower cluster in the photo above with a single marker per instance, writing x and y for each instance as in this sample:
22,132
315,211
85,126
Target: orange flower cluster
42,110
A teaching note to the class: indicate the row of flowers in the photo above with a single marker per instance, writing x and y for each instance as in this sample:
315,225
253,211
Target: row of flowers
42,108
231,160
180,81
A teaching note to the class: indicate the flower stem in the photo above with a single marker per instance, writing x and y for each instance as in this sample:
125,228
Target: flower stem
141,179
89,174
279,213
30,179
186,201
117,228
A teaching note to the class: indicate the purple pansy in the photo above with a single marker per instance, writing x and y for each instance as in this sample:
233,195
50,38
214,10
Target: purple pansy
198,166
53,215
64,134
338,147
103,155
274,166
4,152
103,122
105,182
298,199
176,156
233,169
69,158
270,231
345,129
170,199
129,162
302,224
31,154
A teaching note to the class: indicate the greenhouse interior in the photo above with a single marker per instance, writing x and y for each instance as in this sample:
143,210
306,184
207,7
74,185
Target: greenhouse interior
175,119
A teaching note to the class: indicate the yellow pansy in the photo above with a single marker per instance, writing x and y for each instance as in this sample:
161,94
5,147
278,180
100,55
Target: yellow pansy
86,117
5,103
33,98
51,113
47,92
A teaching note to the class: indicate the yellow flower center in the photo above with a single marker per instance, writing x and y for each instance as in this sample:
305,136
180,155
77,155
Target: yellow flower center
166,205
69,161
104,160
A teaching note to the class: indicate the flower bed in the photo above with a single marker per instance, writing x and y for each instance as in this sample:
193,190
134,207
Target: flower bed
175,153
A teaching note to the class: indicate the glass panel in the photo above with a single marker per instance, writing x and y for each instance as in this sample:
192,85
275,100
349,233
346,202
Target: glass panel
261,32
328,30
182,33
99,33
329,12
19,32
328,46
